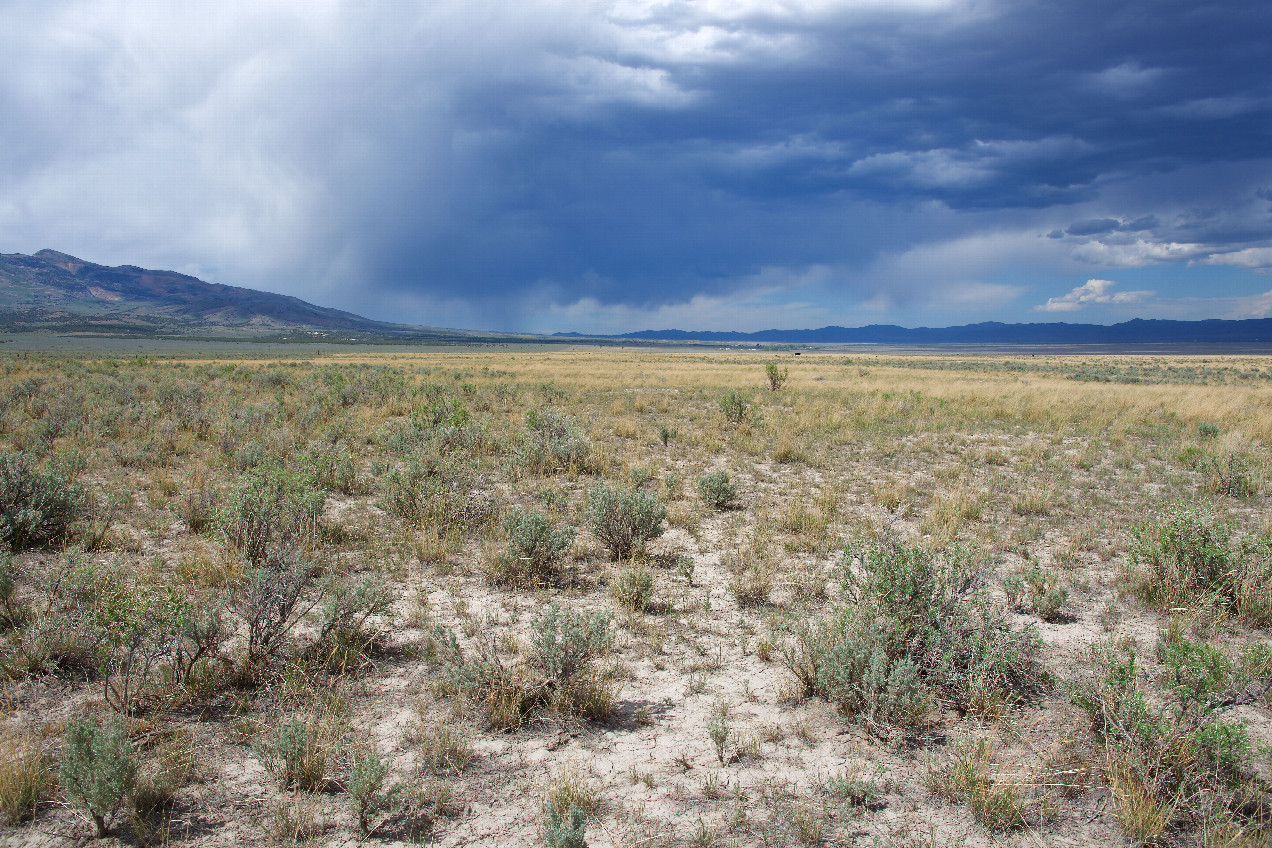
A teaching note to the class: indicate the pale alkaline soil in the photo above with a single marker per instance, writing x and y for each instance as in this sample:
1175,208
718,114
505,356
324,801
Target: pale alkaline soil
252,561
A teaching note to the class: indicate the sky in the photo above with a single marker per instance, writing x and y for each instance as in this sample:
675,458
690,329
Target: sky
546,165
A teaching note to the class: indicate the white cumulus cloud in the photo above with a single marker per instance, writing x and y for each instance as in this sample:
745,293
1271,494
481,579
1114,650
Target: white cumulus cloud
1092,291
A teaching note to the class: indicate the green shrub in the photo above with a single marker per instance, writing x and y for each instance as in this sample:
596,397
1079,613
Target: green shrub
438,491
271,512
1177,766
37,507
563,643
624,519
482,677
552,441
1229,476
633,588
558,834
716,490
534,546
367,792
271,602
1038,591
737,407
859,677
98,768
1191,561
776,376
295,754
346,634
915,623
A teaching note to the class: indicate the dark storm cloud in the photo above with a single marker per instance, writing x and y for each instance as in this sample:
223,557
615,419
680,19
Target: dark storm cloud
488,162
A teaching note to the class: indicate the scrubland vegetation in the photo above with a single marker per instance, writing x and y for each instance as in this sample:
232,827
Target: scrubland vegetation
636,598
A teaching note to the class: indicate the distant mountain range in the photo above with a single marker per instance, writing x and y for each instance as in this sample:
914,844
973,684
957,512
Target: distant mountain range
52,290
55,292
1137,331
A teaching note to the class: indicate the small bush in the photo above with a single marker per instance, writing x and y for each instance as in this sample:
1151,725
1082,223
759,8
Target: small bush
442,492
367,791
776,376
860,678
346,633
563,643
1229,475
37,507
271,602
752,585
624,519
98,769
12,612
633,588
507,692
1189,560
552,441
737,407
916,622
534,546
558,833
716,490
1174,766
1038,591
295,754
271,513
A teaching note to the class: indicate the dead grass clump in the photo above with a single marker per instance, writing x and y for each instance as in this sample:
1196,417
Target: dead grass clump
26,779
753,585
443,746
998,802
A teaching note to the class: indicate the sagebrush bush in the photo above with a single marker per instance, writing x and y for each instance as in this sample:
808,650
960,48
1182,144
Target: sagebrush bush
98,769
737,407
716,490
440,492
1038,591
563,643
917,623
37,507
347,633
564,830
633,588
1189,560
776,376
368,774
506,691
535,546
552,441
624,519
296,754
1179,766
270,514
1228,475
859,677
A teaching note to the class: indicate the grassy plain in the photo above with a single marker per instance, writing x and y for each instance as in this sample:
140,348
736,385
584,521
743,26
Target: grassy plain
952,600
